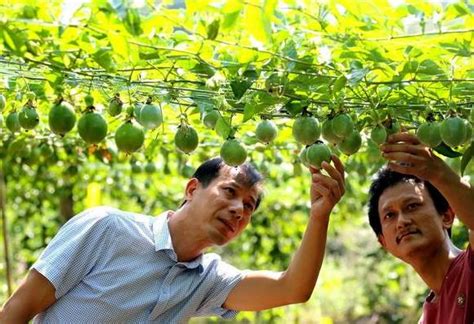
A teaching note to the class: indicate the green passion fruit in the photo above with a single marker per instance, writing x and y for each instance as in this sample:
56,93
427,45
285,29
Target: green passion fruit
378,134
306,130
453,131
351,144
150,116
327,132
233,153
61,118
12,122
28,117
129,137
115,106
209,118
92,127
429,134
186,138
317,153
266,131
342,125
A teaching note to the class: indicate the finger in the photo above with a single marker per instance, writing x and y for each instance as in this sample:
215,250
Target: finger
403,137
405,168
334,173
339,167
403,157
400,147
324,192
329,183
314,170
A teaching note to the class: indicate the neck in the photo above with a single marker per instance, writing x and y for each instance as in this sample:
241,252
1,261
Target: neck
188,244
433,266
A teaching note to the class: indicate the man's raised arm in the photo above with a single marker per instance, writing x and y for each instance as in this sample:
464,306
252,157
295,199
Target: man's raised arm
261,290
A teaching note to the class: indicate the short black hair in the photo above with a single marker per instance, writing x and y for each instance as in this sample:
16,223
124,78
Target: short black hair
387,178
209,170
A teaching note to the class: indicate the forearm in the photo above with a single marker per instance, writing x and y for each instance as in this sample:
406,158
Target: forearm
14,312
303,271
459,194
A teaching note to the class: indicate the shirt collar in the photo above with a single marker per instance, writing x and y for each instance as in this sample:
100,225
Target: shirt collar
163,242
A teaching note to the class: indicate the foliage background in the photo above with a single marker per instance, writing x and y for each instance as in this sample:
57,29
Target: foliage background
373,59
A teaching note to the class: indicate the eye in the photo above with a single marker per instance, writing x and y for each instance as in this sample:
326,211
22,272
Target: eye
389,215
230,190
248,206
413,206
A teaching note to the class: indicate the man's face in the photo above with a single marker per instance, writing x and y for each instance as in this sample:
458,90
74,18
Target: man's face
411,225
223,209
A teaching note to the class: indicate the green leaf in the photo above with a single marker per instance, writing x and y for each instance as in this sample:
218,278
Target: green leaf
213,29
230,19
430,67
239,87
223,128
132,22
466,157
295,107
445,150
103,57
339,83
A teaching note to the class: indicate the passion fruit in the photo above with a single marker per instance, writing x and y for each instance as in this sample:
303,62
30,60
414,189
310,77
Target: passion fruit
453,131
186,138
233,153
303,156
351,144
28,117
266,131
328,133
61,118
115,106
129,137
92,127
378,134
342,125
429,134
210,118
12,122
89,100
317,154
150,116
306,130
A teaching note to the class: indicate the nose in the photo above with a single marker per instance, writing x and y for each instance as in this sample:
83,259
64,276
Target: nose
403,220
237,209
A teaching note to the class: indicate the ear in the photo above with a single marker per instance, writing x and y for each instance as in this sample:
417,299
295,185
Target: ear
448,218
191,187
381,240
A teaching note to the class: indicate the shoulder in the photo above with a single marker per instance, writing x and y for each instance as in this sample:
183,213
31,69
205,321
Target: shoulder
214,263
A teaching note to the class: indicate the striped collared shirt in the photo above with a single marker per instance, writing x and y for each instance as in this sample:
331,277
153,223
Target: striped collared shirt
111,266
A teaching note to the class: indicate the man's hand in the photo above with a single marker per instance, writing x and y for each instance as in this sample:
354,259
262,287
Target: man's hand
408,155
327,190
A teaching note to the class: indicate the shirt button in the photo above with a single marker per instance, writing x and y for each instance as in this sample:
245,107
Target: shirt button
460,300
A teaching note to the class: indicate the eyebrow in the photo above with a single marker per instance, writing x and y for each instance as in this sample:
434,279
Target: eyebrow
237,185
404,201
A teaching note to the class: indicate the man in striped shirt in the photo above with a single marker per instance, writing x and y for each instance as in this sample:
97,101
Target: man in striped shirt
110,266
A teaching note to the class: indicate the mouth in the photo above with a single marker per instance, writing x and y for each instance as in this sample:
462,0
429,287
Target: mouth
406,234
228,225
